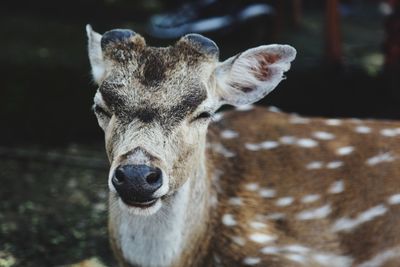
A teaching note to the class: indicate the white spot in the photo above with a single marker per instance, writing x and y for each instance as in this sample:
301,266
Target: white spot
252,186
267,193
346,150
244,107
228,220
390,132
347,224
362,129
302,254
305,255
337,187
257,225
269,144
238,240
274,109
229,134
296,258
334,164
394,199
299,120
263,145
261,238
235,201
373,212
307,142
270,250
252,147
314,214
323,135
251,261
383,157
298,249
321,258
219,148
333,122
287,140
381,258
332,260
284,201
310,198
314,165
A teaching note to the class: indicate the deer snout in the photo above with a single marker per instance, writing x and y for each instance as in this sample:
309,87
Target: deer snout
136,184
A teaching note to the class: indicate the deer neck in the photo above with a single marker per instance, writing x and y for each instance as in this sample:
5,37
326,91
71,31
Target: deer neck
173,235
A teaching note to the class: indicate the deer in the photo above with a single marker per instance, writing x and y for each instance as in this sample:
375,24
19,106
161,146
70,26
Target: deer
190,185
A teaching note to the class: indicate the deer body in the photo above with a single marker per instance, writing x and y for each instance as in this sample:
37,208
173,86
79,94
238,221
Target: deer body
254,188
306,192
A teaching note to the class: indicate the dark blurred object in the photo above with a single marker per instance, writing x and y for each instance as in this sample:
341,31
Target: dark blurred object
332,34
392,41
202,16
391,47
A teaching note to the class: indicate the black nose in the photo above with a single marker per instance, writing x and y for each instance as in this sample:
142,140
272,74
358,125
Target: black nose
137,183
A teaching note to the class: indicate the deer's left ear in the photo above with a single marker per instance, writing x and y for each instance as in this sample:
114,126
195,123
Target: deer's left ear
95,55
251,75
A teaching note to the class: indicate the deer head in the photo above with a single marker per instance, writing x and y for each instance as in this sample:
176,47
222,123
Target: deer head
155,104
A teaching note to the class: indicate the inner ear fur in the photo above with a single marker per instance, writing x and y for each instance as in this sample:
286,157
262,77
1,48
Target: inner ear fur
251,75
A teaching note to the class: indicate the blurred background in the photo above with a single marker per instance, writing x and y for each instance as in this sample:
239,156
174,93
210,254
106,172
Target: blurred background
53,170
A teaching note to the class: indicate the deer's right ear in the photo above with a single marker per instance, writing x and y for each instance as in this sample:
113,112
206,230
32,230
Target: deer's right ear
95,55
251,75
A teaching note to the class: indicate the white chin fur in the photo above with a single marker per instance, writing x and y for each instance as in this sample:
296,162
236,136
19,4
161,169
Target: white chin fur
140,211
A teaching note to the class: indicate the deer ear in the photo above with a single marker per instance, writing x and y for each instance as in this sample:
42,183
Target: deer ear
251,75
95,55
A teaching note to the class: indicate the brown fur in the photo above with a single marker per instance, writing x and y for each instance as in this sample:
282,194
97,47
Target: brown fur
262,71
283,169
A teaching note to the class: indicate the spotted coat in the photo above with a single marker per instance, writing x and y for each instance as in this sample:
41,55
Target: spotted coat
317,193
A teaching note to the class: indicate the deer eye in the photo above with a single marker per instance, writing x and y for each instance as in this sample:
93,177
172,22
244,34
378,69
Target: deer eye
202,116
100,111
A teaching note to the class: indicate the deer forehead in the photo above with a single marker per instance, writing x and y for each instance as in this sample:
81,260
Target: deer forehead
159,84
151,66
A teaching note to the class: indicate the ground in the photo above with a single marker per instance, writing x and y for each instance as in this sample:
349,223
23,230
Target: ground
53,210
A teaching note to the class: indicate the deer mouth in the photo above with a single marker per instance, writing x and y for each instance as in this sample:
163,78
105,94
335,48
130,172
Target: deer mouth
140,204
